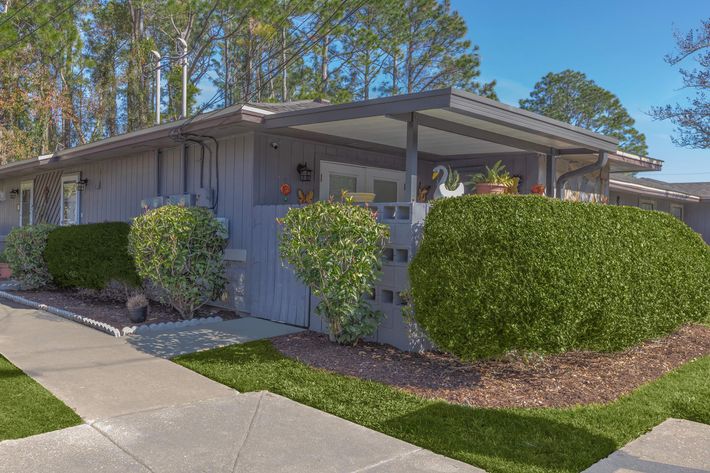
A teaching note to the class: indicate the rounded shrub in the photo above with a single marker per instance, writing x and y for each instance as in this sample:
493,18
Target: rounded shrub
181,251
335,248
24,248
496,274
91,256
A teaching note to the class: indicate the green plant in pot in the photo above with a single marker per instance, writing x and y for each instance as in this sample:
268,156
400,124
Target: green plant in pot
495,180
137,306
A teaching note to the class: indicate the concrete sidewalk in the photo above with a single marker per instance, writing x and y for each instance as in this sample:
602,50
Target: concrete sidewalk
170,342
674,446
146,413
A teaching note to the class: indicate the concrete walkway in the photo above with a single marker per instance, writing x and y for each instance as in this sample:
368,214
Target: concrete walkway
674,446
147,414
167,343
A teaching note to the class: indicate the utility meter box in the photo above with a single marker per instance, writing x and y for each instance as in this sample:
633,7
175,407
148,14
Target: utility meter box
205,197
152,203
184,200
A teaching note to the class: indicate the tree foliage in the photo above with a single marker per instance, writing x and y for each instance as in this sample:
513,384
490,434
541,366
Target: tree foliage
692,120
89,72
571,97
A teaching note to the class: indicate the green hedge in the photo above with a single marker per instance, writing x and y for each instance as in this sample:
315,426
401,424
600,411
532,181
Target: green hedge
90,256
496,274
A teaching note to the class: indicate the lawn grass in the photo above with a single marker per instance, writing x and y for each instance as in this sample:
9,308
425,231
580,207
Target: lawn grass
498,440
26,408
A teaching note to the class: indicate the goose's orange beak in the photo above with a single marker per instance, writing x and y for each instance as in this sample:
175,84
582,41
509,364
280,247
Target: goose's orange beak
434,175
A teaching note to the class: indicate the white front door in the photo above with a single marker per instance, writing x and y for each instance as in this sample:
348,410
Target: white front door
386,184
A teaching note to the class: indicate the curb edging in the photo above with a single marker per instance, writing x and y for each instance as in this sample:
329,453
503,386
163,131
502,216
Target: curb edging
101,326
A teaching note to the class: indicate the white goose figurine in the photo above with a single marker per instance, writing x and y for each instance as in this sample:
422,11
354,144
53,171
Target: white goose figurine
440,190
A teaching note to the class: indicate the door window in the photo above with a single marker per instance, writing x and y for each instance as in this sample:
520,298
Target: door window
339,183
70,201
385,191
26,208
677,211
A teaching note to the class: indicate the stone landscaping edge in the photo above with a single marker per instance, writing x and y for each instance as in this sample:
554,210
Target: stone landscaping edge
64,313
104,327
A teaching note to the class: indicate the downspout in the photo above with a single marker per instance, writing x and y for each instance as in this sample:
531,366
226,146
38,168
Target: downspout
158,169
184,167
595,166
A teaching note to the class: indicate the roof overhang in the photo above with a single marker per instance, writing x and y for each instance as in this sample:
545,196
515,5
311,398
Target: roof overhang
649,191
218,123
451,122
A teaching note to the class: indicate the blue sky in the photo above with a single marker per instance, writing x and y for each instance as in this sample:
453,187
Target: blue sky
619,44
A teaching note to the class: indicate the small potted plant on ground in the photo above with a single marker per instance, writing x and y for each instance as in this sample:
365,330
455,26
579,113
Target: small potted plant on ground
137,306
495,180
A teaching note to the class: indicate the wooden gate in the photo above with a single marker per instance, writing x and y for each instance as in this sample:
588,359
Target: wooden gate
276,293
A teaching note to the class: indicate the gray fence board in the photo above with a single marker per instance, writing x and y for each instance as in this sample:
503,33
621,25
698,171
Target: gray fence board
275,292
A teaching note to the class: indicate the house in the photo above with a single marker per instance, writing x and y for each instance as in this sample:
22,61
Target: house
689,202
236,160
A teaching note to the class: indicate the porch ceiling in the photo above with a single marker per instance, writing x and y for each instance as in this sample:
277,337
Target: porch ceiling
386,131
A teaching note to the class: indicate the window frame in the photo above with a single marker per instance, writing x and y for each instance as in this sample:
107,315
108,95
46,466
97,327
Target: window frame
27,185
682,211
652,203
72,178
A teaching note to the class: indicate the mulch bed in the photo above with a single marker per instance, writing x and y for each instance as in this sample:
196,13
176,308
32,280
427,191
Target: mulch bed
553,381
112,311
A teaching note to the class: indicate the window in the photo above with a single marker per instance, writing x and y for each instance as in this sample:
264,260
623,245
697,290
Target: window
647,204
26,200
70,200
677,211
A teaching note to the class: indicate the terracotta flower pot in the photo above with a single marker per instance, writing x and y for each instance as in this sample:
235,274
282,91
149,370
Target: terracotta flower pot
5,271
488,188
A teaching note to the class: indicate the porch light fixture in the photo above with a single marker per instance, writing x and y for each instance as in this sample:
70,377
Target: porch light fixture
14,193
304,172
81,184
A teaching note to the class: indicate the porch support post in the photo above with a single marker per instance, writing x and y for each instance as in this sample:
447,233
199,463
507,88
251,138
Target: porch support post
410,185
551,175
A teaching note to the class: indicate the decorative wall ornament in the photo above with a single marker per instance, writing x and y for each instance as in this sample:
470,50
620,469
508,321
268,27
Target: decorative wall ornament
305,198
422,192
285,190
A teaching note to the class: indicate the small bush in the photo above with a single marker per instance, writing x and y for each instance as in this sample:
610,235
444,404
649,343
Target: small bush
501,273
335,249
24,248
91,256
180,250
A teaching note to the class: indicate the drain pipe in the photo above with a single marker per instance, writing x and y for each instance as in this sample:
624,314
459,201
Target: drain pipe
595,166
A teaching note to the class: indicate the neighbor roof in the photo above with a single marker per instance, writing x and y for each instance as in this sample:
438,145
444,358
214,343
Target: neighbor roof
685,191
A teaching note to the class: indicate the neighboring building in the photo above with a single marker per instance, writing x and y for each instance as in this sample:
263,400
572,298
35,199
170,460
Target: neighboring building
689,202
235,161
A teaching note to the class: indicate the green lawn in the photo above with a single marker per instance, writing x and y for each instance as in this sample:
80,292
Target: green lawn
498,440
26,408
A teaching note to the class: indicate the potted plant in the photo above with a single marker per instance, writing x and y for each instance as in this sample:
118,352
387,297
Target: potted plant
5,271
137,306
495,180
538,189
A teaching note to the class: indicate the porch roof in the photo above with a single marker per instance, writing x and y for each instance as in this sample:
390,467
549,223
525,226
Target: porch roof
451,122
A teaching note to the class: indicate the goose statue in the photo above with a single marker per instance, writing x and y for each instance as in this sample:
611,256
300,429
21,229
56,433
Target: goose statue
441,190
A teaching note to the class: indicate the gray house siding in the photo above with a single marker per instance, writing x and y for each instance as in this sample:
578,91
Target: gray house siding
698,217
634,200
274,167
